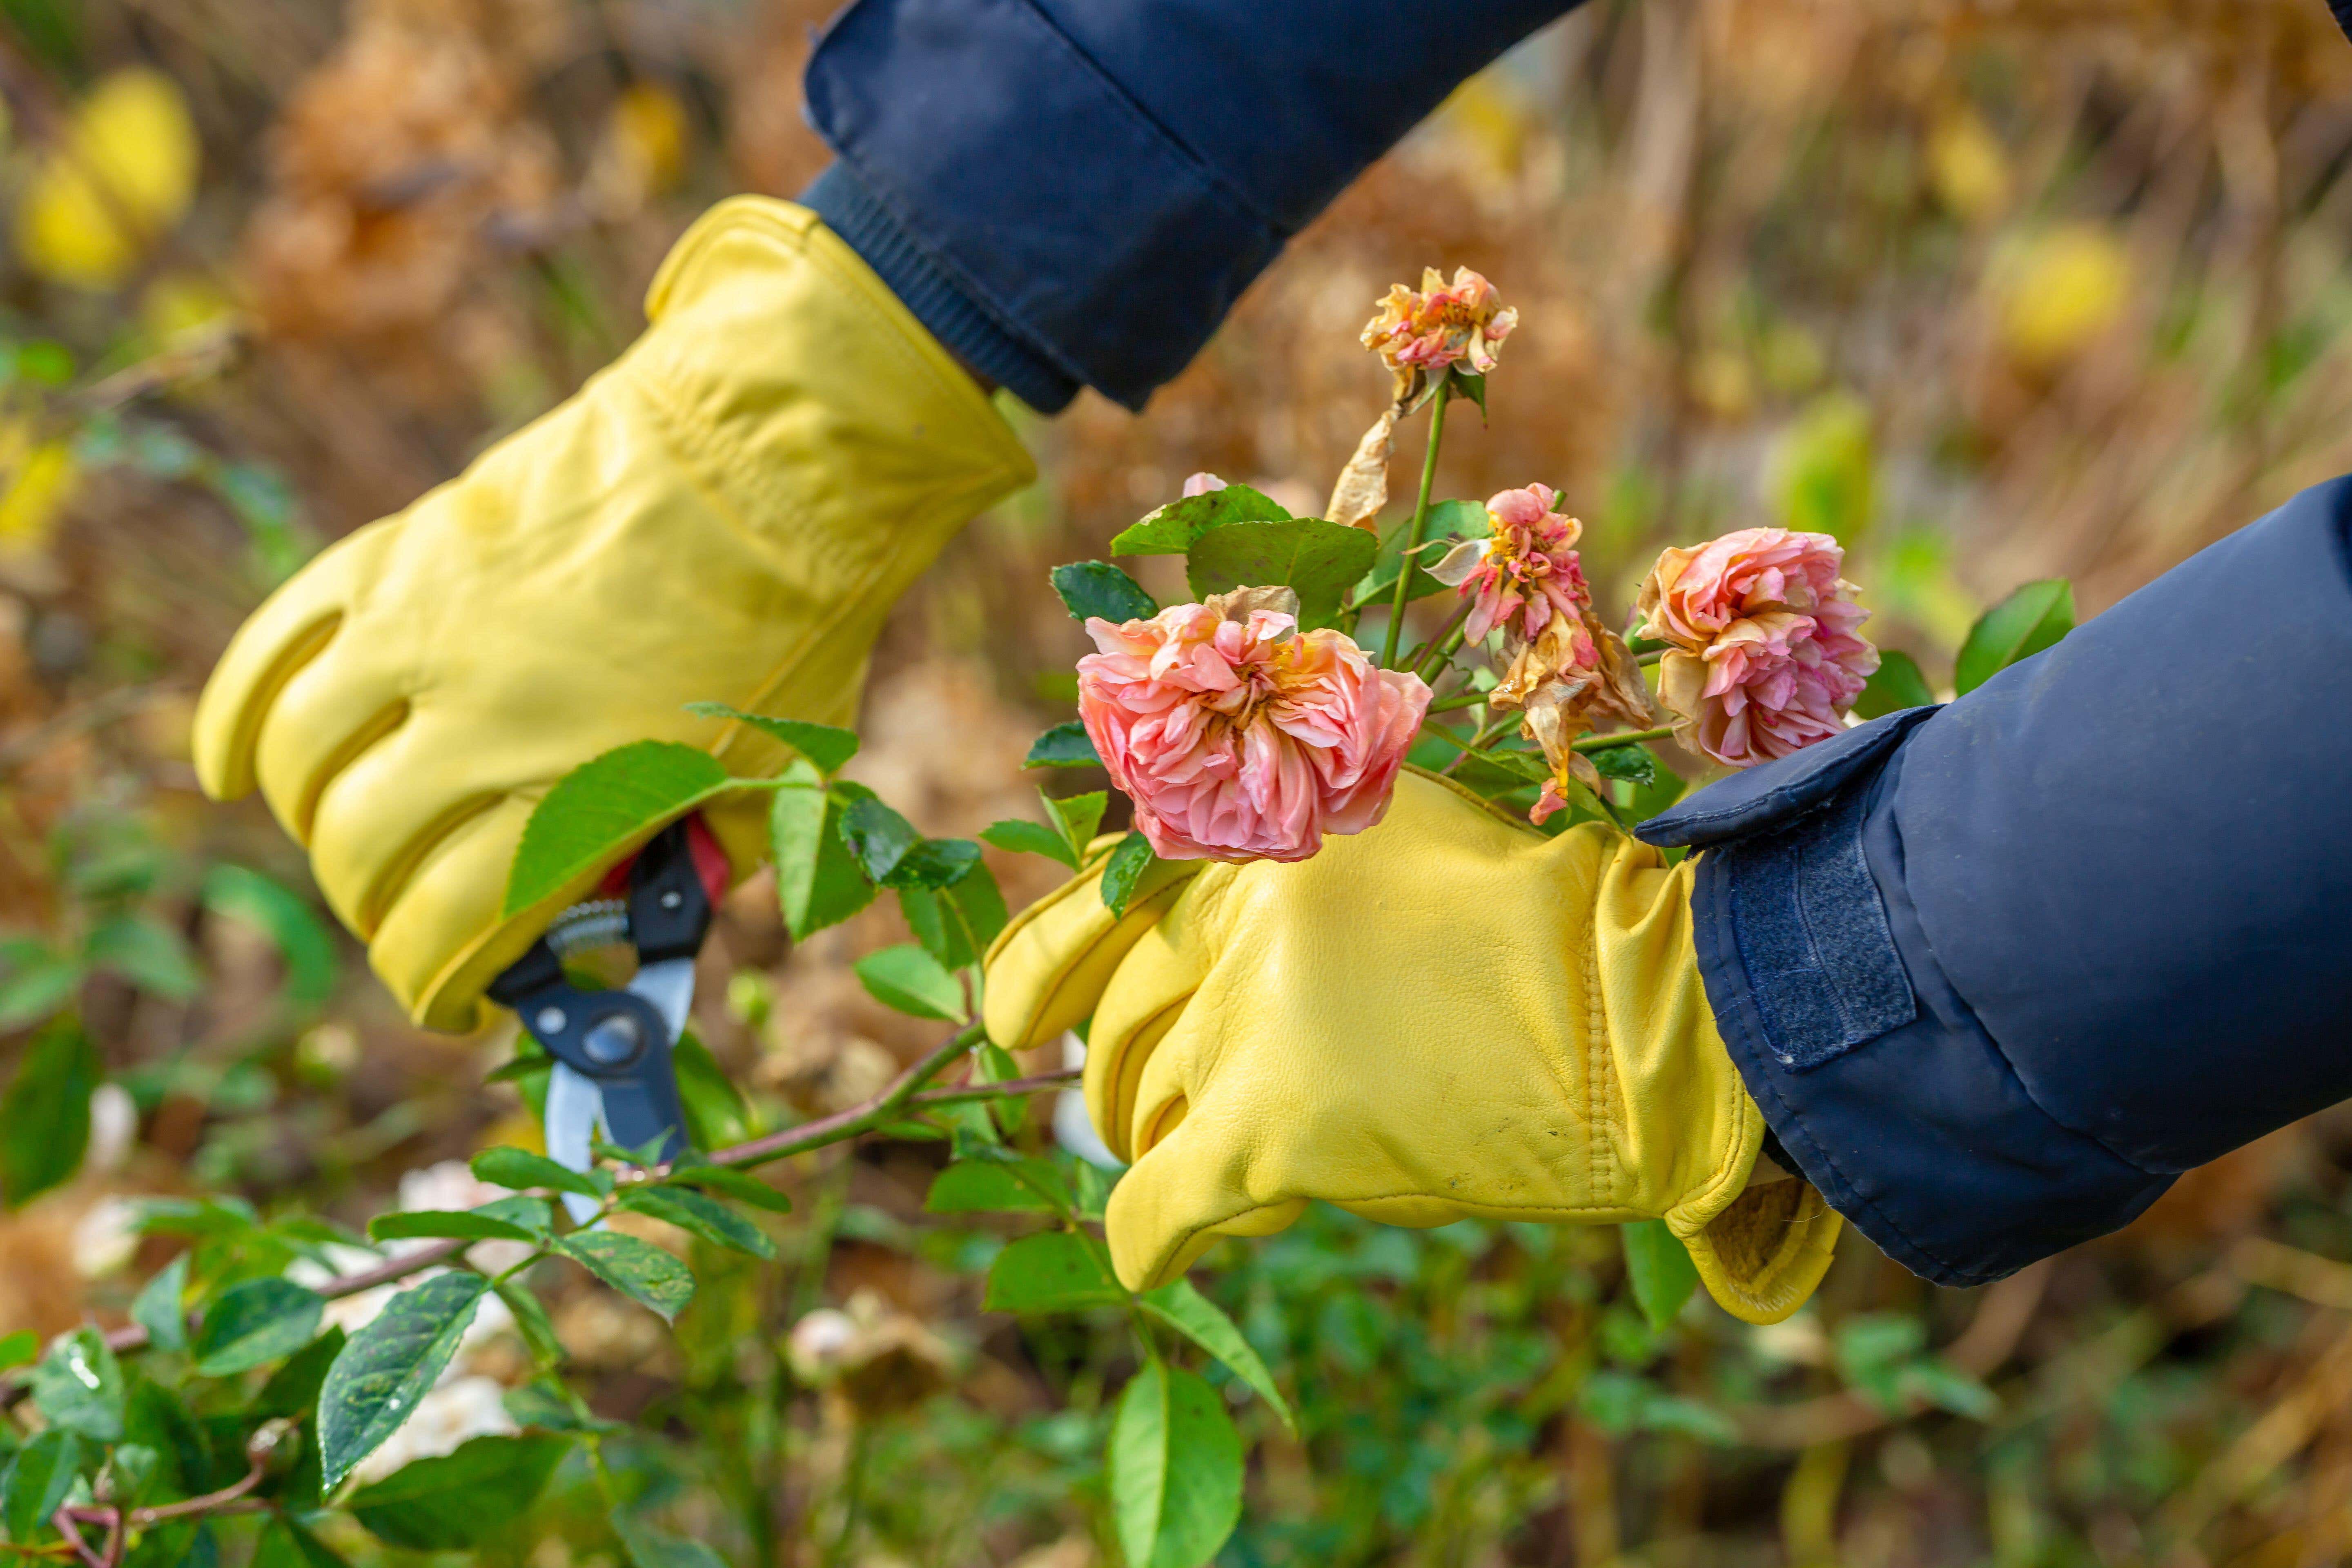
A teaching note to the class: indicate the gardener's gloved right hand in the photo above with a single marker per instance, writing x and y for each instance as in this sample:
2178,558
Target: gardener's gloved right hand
725,514
1447,1014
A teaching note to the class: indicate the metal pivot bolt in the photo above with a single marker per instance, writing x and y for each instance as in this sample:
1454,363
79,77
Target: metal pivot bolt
614,1040
550,1021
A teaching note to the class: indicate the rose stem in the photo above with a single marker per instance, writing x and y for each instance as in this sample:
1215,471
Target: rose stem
1450,644
1412,532
1653,657
1621,738
1459,700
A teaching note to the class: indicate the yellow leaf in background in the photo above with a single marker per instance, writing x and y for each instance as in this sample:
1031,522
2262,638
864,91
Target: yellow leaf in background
120,178
642,153
1967,164
36,478
181,302
2059,290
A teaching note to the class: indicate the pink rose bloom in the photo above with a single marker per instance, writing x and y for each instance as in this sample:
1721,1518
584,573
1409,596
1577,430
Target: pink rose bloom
1765,658
1238,736
1527,567
1430,332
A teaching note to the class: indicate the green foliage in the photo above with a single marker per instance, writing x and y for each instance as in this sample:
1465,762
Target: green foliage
1204,1323
1448,520
1065,745
77,1386
702,1216
46,1113
253,1323
824,747
987,1186
520,1168
651,1548
1098,588
1031,838
1172,530
1126,870
1659,1269
1175,1469
911,981
600,809
461,1499
818,880
492,1221
1895,685
1823,473
1883,1357
280,913
37,1481
887,848
638,1269
387,1366
2031,619
142,951
286,1542
1319,561
1633,764
1054,1271
159,1309
740,1186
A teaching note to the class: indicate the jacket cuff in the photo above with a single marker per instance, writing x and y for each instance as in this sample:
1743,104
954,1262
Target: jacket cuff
1037,188
1872,1073
961,324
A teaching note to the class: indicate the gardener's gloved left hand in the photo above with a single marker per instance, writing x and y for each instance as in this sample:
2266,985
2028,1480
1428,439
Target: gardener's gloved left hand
1446,1016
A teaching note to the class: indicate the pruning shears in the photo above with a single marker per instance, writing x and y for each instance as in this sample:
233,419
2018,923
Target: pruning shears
612,1048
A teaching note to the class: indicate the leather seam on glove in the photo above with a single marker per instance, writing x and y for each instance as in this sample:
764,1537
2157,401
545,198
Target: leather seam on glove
398,873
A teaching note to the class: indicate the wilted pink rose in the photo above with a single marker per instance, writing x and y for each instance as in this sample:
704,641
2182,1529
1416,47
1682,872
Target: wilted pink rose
1202,483
1238,736
1430,332
1526,567
1765,658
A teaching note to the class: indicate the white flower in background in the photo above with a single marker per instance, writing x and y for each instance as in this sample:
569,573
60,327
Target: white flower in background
113,1127
457,1410
353,1313
105,1238
450,1185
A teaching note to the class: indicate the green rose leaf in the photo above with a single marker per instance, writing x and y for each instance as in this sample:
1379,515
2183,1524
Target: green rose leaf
40,981
160,1307
1076,817
78,1386
1051,1272
293,1389
1316,559
1172,528
651,1548
1633,763
508,1219
1128,862
2031,619
46,1113
638,1269
253,1322
824,745
1448,520
604,807
1175,1467
1031,838
911,981
17,1347
286,1542
457,1501
741,1186
1659,1269
520,1168
708,1218
1896,685
1010,1184
287,919
38,1482
1098,588
1065,745
146,952
389,1366
818,883
1204,1322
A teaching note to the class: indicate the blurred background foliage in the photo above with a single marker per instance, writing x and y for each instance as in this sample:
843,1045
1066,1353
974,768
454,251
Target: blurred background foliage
1993,289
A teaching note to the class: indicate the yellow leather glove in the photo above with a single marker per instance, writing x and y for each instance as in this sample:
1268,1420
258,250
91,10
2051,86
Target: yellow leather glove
1448,1015
723,514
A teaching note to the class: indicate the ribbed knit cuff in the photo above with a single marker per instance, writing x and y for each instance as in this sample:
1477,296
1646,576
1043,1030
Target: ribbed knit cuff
962,327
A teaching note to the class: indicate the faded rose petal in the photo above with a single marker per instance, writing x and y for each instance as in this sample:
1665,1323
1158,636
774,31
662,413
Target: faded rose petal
1426,333
1201,484
1239,737
1765,658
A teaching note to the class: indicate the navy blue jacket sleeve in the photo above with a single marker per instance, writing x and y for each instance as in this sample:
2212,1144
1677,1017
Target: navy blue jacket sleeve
1075,192
1997,971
